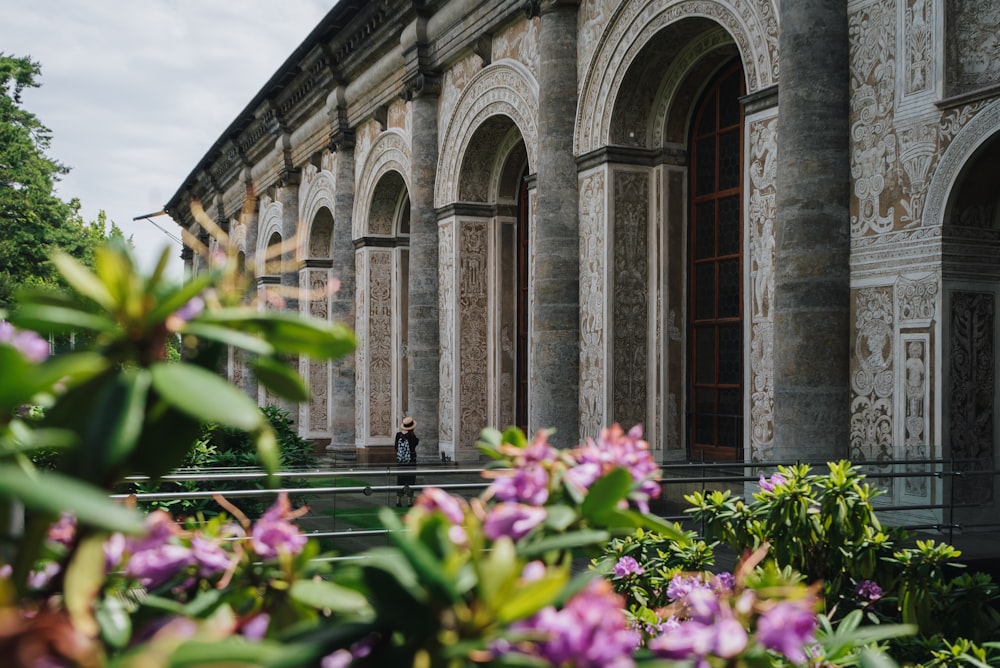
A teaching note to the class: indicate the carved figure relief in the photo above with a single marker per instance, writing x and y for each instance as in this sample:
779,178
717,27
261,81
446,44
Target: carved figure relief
592,303
761,212
973,400
361,352
380,328
873,146
446,286
319,372
872,376
918,22
519,42
630,307
473,323
973,45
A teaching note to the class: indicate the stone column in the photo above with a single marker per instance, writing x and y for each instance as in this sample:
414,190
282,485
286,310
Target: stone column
812,252
554,325
424,334
288,195
343,436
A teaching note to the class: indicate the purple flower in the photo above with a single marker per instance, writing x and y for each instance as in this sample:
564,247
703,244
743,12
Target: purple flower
869,591
342,658
32,346
776,480
591,631
617,449
273,534
63,531
114,549
38,579
514,520
209,556
526,485
191,310
155,566
436,499
256,627
788,628
723,583
682,585
627,566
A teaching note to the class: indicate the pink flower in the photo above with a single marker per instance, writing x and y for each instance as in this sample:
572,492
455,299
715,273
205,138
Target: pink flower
777,480
788,628
154,566
255,628
32,346
514,520
209,556
63,531
436,499
114,549
628,566
273,534
617,449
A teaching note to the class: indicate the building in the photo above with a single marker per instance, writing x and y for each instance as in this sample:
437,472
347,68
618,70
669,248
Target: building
766,231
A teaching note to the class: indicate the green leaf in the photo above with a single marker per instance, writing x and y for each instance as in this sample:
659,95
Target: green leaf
84,579
564,542
114,621
281,379
180,296
533,596
166,438
84,281
117,420
56,493
205,396
60,319
324,595
604,495
290,333
229,337
232,652
268,453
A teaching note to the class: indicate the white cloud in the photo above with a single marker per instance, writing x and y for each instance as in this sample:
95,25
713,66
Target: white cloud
135,92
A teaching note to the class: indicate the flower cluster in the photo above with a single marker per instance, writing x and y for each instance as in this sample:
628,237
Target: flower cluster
715,618
33,347
590,631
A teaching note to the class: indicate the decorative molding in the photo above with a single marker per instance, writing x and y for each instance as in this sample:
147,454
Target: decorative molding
390,152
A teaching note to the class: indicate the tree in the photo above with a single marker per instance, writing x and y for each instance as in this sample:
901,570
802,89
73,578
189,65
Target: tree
33,220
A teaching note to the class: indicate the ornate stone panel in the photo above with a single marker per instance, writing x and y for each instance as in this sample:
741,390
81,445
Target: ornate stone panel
472,330
630,309
317,373
361,351
973,45
453,81
593,303
972,392
752,24
446,310
505,88
379,345
873,145
519,42
389,153
872,375
760,210
918,74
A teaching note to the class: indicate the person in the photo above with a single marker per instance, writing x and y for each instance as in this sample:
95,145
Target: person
406,455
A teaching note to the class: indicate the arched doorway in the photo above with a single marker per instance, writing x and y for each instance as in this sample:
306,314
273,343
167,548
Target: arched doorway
715,271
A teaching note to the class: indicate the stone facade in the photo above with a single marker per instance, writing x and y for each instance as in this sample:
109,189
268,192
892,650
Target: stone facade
515,203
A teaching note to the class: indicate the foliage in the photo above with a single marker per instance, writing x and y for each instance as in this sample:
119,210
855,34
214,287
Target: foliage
219,446
34,222
825,527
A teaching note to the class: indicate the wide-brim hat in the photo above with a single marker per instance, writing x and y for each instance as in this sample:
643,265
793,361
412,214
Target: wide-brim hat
408,424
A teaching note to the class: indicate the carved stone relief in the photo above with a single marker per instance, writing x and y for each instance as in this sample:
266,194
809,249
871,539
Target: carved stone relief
973,45
361,351
593,260
872,376
446,287
505,88
631,304
389,153
452,84
752,24
473,334
916,411
519,42
363,139
397,116
761,212
379,343
918,58
873,145
318,372
971,416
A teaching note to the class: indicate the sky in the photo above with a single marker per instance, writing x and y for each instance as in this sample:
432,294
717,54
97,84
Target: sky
135,92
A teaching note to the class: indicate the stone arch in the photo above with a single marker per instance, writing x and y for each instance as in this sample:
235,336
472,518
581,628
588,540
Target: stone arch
318,194
390,152
505,88
269,228
753,30
960,152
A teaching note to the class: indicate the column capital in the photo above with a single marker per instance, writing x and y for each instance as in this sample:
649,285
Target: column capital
422,84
